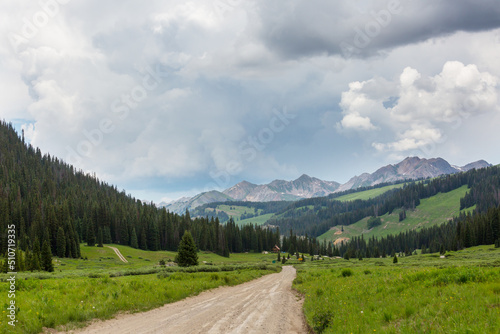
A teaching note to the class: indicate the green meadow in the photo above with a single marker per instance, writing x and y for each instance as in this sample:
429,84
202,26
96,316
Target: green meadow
100,285
419,294
259,220
236,211
431,211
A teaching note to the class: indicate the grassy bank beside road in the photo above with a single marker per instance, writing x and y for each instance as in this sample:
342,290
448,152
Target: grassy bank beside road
419,294
102,286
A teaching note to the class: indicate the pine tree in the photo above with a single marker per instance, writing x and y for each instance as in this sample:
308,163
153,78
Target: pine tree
133,239
124,235
143,241
4,265
90,235
61,243
187,251
153,242
106,235
395,260
47,257
36,262
100,238
77,244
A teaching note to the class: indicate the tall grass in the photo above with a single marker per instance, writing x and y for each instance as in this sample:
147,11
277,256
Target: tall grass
73,301
421,294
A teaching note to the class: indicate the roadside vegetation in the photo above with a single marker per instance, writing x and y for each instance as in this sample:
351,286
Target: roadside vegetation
459,293
102,286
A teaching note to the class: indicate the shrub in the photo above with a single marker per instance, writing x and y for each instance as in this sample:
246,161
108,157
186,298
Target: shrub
346,272
395,260
321,320
373,221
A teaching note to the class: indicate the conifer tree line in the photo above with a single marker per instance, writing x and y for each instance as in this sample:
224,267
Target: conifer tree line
254,209
481,227
316,216
55,207
461,232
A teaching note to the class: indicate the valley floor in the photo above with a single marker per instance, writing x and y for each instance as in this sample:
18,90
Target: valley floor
265,305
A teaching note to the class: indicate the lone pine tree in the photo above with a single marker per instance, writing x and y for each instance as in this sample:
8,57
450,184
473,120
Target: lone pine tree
187,251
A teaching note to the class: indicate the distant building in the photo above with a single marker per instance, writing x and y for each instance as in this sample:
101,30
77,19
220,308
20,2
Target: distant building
276,249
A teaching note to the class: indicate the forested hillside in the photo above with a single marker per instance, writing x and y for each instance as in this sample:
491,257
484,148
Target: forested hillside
50,203
315,216
55,208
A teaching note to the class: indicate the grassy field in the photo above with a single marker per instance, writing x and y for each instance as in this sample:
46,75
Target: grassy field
259,220
367,194
235,211
431,211
101,286
419,294
424,293
104,260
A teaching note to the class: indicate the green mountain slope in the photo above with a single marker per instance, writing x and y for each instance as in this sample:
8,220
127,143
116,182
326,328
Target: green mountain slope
431,211
367,194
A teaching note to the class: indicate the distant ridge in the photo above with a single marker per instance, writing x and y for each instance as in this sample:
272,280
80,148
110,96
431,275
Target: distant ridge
278,190
409,169
307,187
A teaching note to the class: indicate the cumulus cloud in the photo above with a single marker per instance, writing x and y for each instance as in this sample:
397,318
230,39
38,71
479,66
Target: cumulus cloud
167,90
412,139
422,105
357,122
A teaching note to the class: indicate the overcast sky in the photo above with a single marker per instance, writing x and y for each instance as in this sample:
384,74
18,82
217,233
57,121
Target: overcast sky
170,98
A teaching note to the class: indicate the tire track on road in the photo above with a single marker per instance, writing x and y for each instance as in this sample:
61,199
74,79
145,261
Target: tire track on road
265,305
117,251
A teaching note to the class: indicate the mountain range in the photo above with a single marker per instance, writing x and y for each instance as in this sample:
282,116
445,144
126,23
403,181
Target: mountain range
307,187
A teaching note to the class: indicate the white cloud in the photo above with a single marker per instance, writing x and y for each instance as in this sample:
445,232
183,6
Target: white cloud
358,105
412,139
357,122
423,107
228,64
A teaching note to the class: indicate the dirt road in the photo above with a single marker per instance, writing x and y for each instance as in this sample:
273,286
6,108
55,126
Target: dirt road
118,254
266,305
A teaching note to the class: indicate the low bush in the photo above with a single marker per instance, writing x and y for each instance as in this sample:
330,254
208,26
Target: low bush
346,272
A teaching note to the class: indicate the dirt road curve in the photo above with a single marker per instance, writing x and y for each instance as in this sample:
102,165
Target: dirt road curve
118,253
266,305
